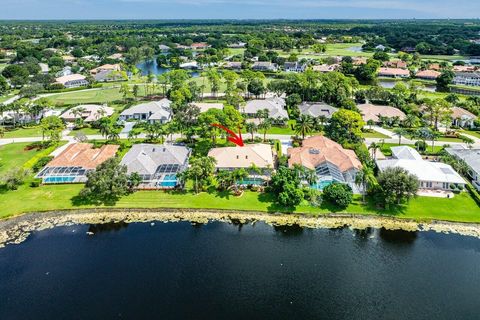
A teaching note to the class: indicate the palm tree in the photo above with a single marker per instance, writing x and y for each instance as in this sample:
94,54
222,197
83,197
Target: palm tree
399,132
310,176
374,147
434,135
251,128
366,179
104,126
265,125
304,125
2,132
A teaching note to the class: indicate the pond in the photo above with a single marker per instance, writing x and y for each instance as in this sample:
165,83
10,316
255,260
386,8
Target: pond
151,66
236,271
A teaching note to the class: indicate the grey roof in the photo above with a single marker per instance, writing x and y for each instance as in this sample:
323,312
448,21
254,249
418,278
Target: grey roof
316,109
275,107
157,109
146,158
470,156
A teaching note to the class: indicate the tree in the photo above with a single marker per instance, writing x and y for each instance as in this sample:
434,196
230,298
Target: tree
345,127
374,147
366,179
399,132
201,171
3,85
304,125
285,186
256,87
396,185
444,80
265,125
339,194
437,110
52,128
108,182
14,178
251,128
381,56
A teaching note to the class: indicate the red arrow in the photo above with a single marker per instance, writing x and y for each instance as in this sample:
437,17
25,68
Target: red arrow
237,139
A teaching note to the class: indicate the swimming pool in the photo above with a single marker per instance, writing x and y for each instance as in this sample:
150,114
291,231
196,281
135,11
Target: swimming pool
320,185
168,181
58,179
251,182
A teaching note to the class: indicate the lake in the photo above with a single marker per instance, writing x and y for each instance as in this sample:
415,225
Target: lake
233,271
151,66
389,84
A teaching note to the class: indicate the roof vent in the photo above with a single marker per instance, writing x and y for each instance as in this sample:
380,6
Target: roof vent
314,151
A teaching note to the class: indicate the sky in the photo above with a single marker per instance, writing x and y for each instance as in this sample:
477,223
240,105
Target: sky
238,9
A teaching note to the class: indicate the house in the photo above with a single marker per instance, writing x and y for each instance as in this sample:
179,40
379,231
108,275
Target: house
464,68
380,47
92,58
372,112
324,68
275,106
399,64
463,118
44,68
109,76
294,67
72,81
204,107
431,175
317,109
87,112
68,59
331,162
163,48
73,163
359,60
157,165
472,158
467,78
428,74
66,71
155,111
116,56
259,155
393,73
237,45
435,66
199,46
189,65
264,66
106,67
235,65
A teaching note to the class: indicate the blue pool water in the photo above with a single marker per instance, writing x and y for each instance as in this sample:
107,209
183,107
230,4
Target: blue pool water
320,185
169,181
58,179
251,181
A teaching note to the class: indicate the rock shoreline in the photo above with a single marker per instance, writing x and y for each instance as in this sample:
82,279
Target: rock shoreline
17,229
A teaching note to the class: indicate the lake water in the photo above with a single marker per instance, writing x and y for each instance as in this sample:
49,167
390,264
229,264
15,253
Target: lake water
151,66
226,271
389,84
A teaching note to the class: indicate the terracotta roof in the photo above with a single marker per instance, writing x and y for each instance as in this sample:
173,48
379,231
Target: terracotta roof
393,72
371,112
318,149
111,67
71,77
464,68
243,157
396,64
428,74
91,112
83,155
459,113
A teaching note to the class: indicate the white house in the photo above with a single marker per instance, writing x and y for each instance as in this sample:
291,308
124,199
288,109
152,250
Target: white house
463,118
472,158
155,111
275,106
467,78
431,175
72,81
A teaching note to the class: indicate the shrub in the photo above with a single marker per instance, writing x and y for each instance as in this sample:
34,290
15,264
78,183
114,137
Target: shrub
35,183
41,163
338,194
14,178
474,193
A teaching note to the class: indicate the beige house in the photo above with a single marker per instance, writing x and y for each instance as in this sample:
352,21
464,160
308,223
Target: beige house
259,155
463,118
393,73
204,107
106,67
372,112
87,112
72,81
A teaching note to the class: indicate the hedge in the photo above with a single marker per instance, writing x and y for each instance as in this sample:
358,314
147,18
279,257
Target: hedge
474,193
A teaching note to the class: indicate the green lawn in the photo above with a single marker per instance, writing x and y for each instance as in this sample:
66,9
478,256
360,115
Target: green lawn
374,134
14,155
472,133
85,131
86,96
449,139
56,197
23,132
385,148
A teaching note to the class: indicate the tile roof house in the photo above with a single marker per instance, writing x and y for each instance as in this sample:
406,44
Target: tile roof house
236,65
372,112
393,73
325,68
396,64
264,66
328,158
231,158
72,81
431,175
472,158
204,107
294,67
467,78
155,111
275,106
89,112
73,163
317,109
157,164
199,45
106,67
428,74
464,68
463,118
